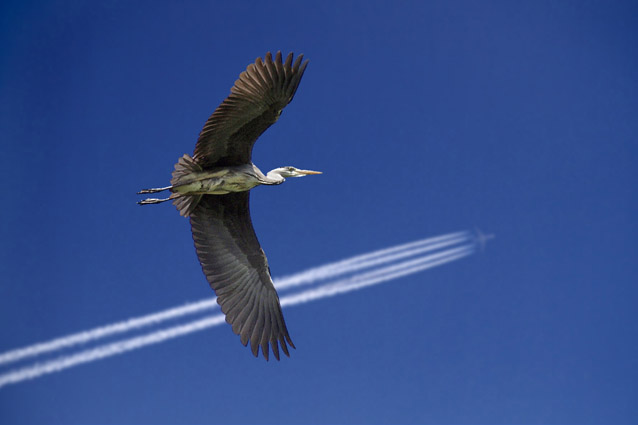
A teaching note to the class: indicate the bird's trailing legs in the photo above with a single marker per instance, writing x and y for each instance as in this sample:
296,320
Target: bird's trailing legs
154,190
153,200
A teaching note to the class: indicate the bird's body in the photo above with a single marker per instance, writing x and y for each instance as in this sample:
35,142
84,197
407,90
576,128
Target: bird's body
212,189
220,181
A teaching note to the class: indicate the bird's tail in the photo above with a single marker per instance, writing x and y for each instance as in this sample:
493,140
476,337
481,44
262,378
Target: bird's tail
185,167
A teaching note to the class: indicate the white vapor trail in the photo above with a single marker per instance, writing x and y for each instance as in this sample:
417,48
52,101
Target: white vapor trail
379,276
327,290
372,259
313,275
104,331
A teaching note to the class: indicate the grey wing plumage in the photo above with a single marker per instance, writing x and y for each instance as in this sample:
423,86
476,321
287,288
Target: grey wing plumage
237,269
254,104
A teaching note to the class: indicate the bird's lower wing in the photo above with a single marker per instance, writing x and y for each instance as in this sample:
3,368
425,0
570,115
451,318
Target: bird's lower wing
237,270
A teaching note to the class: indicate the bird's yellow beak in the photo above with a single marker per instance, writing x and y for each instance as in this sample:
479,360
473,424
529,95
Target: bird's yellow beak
309,172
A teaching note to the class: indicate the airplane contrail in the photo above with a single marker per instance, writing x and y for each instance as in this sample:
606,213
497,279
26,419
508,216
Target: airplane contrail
371,259
327,290
312,275
378,276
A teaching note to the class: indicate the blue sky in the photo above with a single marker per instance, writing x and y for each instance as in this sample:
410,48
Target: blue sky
425,117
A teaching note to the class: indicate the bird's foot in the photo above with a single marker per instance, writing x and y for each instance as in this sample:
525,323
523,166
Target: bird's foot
154,190
152,201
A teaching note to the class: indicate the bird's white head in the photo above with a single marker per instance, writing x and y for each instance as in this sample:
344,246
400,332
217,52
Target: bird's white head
294,172
285,172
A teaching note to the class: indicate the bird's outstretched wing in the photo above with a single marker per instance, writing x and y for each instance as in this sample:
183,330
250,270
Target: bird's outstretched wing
254,104
237,269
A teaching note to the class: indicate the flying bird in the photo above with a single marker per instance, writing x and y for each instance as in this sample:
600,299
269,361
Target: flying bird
212,189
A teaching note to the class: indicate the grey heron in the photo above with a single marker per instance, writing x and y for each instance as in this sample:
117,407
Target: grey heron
212,189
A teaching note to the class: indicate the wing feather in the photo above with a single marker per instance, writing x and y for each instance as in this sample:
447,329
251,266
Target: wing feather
237,270
258,327
265,334
243,317
254,104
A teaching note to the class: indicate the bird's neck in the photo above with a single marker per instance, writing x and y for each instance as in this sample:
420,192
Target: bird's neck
274,177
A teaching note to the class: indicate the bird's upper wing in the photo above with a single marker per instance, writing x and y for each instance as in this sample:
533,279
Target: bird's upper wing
237,269
254,104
